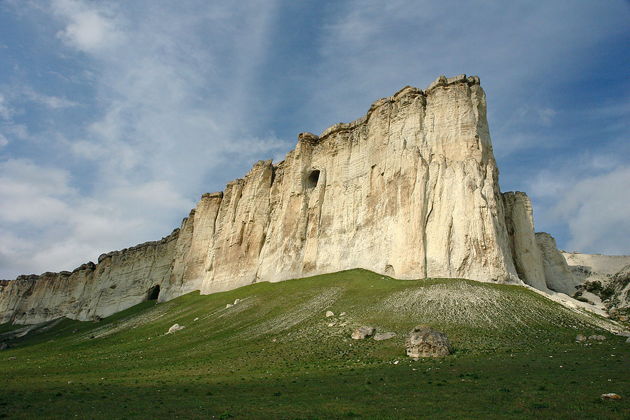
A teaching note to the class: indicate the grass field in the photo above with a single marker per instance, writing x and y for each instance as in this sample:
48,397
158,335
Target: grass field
276,355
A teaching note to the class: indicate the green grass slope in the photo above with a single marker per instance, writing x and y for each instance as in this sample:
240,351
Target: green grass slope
276,355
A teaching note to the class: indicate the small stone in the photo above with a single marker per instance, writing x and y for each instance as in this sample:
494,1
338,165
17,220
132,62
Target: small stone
329,314
4,346
175,327
580,338
236,301
597,337
342,314
363,332
384,336
611,396
228,306
196,319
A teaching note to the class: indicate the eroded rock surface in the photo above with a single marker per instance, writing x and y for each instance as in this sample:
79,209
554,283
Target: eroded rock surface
409,190
607,277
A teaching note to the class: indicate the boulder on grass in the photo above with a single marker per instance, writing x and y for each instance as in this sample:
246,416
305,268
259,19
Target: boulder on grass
423,341
363,332
175,327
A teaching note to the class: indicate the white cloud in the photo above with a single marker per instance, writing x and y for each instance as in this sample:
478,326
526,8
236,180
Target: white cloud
88,27
46,224
589,197
3,141
596,210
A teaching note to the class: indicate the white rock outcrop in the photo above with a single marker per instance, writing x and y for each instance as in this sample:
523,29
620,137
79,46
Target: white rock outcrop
409,190
557,273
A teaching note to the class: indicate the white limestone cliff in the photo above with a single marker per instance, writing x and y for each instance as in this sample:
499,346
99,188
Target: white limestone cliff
409,190
557,274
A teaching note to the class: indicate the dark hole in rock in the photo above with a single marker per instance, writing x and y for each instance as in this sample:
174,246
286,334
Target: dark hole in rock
312,179
153,293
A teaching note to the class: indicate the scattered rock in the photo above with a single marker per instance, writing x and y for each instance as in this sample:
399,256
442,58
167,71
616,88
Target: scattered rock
329,314
331,324
423,341
611,396
628,340
384,336
3,346
363,332
342,314
229,305
597,337
580,338
175,327
196,319
236,301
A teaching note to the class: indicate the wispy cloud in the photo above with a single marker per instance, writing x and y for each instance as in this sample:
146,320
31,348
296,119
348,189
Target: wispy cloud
52,102
5,110
171,101
588,195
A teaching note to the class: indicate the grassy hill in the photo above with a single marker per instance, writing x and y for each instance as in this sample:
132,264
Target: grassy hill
275,355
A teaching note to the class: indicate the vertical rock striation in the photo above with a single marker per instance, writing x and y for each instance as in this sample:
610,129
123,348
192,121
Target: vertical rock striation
409,190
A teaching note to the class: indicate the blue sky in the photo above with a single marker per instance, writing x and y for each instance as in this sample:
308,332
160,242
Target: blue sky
115,116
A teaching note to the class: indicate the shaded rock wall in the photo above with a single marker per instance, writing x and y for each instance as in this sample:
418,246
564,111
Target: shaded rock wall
120,280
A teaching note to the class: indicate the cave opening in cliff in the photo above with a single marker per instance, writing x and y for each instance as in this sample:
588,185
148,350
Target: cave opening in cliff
154,292
313,178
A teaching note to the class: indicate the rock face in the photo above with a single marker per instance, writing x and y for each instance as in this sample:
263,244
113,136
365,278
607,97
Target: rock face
621,289
423,341
120,280
557,272
410,190
606,275
526,251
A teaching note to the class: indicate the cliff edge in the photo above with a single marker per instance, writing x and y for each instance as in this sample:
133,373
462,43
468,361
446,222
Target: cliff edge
409,190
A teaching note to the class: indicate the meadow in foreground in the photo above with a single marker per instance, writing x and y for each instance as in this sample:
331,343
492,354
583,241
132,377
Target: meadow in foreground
275,354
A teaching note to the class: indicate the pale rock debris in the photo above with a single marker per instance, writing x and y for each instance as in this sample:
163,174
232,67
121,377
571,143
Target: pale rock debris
363,333
174,328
